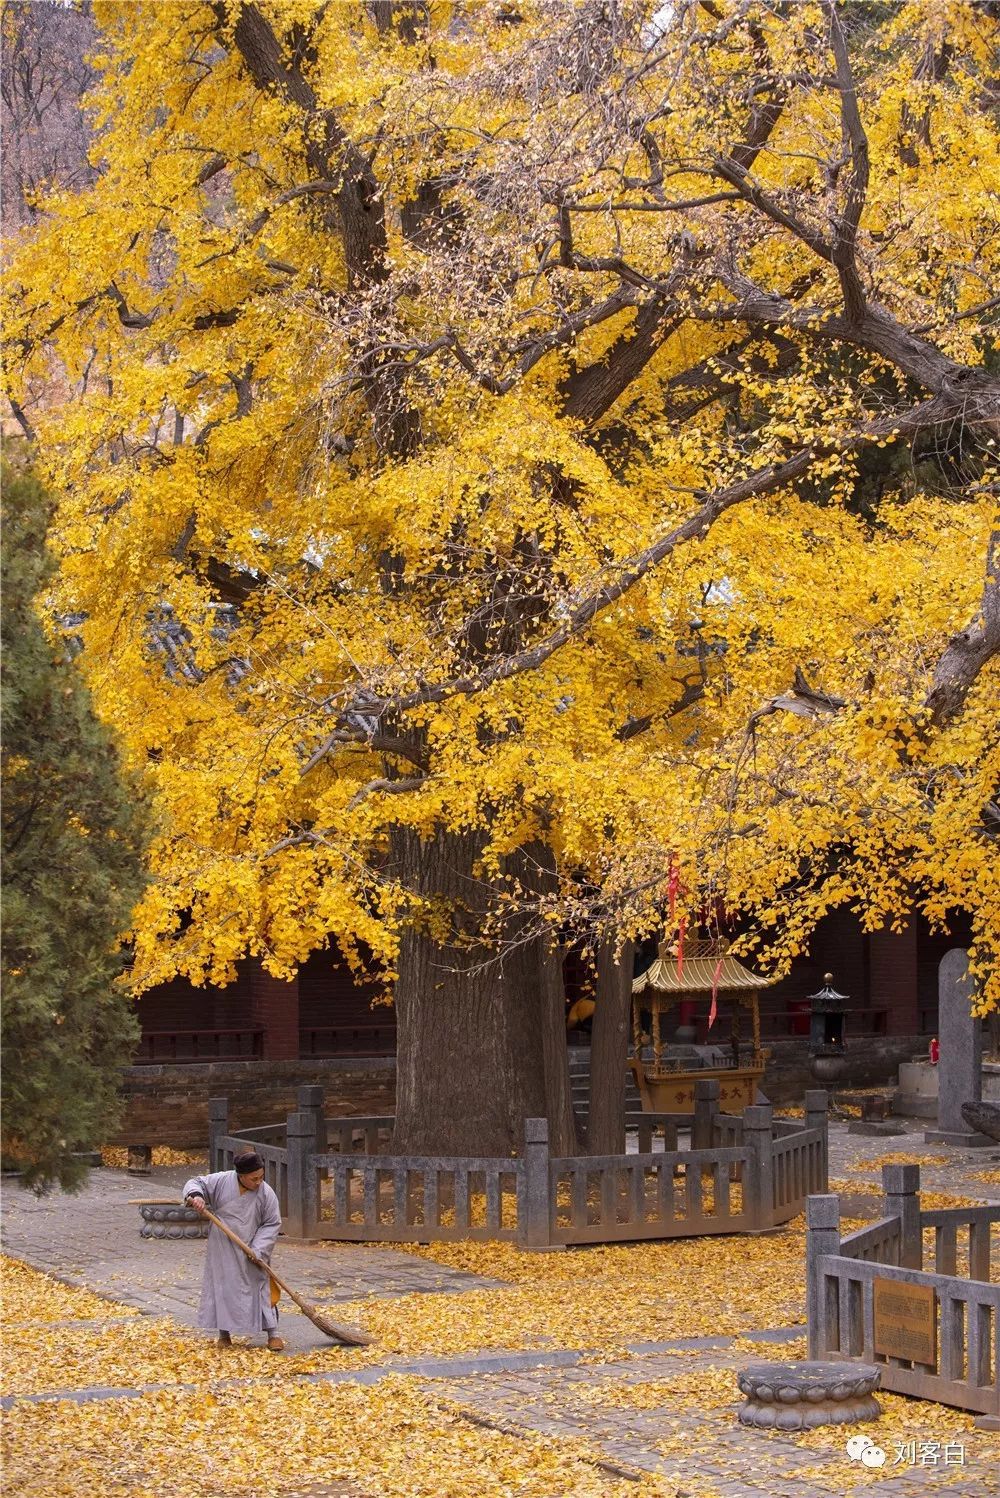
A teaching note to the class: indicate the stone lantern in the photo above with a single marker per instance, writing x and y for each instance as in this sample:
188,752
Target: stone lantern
826,1032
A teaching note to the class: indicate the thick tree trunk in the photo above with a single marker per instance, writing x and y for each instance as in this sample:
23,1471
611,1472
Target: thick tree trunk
469,1060
563,1138
481,1034
540,971
609,1051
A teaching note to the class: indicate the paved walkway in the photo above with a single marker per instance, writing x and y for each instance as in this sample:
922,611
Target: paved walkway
92,1240
705,1445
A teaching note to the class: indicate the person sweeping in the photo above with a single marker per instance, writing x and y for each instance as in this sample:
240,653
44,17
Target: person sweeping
236,1295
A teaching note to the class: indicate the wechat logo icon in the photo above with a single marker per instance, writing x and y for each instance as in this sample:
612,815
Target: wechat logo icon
863,1449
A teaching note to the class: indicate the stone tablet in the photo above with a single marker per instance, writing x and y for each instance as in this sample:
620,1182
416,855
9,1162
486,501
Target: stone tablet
960,1077
905,1321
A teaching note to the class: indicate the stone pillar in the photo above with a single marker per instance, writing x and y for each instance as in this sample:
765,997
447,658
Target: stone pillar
758,1179
303,1187
892,978
817,1101
706,1106
274,1008
900,1198
310,1100
534,1213
960,1076
822,1303
218,1128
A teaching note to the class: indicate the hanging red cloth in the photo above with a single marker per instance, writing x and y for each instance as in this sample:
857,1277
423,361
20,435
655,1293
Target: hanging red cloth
713,1011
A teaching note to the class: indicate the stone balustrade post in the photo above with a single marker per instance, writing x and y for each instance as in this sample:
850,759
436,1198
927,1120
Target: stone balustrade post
535,1218
706,1106
758,1181
822,1301
303,1185
817,1102
312,1099
218,1128
901,1199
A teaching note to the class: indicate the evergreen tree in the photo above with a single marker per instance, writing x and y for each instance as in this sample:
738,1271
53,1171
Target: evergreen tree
72,856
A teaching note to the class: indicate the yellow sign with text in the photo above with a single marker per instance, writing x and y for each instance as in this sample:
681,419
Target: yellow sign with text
905,1321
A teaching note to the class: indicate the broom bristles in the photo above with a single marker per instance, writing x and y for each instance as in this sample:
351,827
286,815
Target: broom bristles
353,1336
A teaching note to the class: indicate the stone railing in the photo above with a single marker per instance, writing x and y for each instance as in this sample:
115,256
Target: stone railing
336,1179
957,1314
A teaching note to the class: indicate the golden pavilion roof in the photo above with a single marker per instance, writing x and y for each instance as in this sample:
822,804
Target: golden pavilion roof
706,965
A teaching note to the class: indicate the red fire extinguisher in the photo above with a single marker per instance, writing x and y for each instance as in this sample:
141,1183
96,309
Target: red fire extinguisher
935,1051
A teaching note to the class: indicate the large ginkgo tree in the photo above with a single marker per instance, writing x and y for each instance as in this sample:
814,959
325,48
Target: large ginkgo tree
524,468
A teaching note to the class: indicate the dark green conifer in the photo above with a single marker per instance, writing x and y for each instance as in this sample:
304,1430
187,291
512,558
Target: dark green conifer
73,835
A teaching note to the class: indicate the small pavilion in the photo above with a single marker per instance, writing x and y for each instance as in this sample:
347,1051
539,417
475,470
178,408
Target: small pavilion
705,971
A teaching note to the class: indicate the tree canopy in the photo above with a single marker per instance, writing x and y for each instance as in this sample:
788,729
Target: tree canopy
73,869
563,426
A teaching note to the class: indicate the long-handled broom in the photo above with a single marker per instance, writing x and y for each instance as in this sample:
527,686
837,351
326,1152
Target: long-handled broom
351,1336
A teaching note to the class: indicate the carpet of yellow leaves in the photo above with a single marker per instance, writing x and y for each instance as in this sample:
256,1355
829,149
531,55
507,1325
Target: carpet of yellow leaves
404,1438
873,1164
930,1201
145,1351
598,1297
115,1157
391,1441
713,1395
27,1295
903,1420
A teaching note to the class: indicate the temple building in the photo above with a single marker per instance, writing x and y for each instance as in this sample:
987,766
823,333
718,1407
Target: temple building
323,1013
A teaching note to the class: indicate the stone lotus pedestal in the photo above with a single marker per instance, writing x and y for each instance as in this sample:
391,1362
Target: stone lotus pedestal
172,1222
801,1396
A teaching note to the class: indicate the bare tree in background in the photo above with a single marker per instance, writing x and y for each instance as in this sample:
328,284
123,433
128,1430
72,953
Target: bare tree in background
43,76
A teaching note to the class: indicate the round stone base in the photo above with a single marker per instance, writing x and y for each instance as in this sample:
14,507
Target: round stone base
800,1396
172,1222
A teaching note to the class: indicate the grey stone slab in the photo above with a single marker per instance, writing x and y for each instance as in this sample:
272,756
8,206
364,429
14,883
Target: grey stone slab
76,1325
642,1349
960,1065
958,1139
75,1396
777,1334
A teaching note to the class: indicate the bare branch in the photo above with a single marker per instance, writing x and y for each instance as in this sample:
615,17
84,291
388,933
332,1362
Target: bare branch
386,788
803,701
380,743
732,172
968,652
763,481
845,243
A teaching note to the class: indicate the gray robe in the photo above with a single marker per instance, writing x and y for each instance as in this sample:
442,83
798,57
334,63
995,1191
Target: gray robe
235,1295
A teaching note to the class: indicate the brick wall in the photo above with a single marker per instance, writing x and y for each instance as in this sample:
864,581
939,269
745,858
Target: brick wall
274,1008
871,1060
892,977
178,1005
169,1104
330,995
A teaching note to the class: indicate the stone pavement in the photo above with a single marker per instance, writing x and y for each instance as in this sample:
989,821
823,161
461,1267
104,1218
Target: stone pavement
953,1171
706,1445
92,1240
